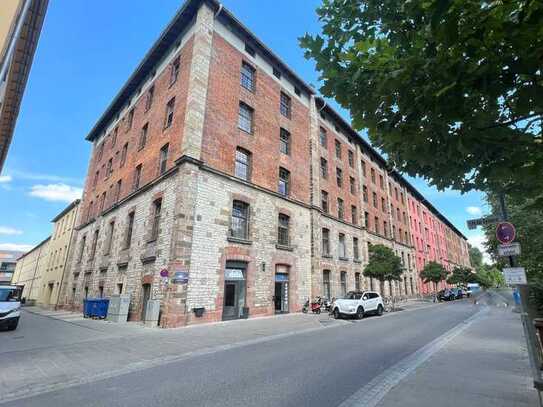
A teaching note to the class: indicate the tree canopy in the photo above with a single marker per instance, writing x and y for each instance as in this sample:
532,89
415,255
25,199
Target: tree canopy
528,223
450,90
433,272
462,276
383,264
489,277
475,257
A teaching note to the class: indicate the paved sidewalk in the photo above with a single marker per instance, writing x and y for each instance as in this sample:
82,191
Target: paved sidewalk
487,365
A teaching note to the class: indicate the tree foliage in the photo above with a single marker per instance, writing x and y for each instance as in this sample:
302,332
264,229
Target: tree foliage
475,257
528,222
433,272
383,265
462,276
489,277
451,90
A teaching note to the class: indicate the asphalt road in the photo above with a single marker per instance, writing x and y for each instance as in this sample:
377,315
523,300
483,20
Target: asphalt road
321,368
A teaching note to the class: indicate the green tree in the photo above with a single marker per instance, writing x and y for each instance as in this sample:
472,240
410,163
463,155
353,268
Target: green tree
528,221
383,265
433,272
475,257
489,277
462,276
451,90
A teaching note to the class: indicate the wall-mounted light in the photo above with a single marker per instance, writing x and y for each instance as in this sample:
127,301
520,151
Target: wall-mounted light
263,266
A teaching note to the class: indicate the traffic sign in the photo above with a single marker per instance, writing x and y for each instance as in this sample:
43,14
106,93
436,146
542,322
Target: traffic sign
514,275
473,223
505,232
511,249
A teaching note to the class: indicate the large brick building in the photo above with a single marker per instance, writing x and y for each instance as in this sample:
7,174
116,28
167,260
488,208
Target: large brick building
219,180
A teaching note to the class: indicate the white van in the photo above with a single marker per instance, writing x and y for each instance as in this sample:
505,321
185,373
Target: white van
10,306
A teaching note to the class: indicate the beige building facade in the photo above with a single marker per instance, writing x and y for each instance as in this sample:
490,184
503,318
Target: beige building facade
20,26
59,246
41,271
30,269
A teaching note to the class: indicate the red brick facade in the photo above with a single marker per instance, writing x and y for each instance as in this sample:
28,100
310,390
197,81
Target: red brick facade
198,186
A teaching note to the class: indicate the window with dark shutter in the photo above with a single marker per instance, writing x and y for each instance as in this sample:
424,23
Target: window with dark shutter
168,120
284,141
285,105
243,164
245,118
247,76
323,138
137,177
143,136
149,98
240,220
163,160
283,230
174,72
157,209
129,230
284,182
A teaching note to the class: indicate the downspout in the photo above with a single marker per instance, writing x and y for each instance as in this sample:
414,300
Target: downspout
218,10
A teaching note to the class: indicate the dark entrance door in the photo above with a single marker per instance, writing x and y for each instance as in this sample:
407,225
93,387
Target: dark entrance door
281,293
145,298
234,290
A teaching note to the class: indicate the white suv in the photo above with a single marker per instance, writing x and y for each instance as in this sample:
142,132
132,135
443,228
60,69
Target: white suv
10,305
358,304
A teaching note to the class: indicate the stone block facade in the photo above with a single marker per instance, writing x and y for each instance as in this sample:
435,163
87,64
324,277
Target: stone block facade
228,223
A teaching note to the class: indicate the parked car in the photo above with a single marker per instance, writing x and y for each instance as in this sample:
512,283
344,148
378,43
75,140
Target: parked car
458,293
358,304
446,295
10,305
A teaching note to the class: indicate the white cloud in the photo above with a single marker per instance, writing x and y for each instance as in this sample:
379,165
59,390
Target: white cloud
32,176
474,210
6,230
4,179
56,192
16,247
478,241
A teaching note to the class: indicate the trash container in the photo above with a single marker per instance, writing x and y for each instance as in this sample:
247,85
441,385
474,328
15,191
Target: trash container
117,310
95,307
86,307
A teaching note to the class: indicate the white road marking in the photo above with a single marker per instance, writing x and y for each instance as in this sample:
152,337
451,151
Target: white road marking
38,389
374,391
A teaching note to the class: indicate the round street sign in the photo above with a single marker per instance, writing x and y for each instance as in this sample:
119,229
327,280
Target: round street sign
505,232
164,273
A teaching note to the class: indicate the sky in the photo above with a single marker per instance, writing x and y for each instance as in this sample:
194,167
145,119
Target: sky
86,51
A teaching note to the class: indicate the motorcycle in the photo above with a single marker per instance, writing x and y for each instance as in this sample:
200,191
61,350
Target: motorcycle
315,306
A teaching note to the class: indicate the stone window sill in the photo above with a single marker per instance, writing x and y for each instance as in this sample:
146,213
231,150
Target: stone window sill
283,247
233,239
357,261
344,258
327,256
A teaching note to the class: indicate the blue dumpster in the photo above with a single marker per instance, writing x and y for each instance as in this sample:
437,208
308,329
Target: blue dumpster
95,307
